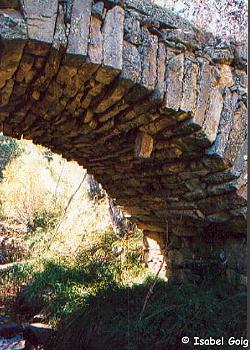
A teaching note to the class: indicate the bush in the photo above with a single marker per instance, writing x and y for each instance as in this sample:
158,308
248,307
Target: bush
112,318
25,191
61,285
9,148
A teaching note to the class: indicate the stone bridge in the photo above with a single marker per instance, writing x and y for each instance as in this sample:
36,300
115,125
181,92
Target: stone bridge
152,106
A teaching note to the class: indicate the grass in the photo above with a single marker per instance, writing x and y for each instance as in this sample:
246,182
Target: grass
92,296
94,307
56,286
111,318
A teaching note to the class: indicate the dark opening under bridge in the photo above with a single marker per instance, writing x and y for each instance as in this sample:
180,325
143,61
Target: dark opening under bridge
149,104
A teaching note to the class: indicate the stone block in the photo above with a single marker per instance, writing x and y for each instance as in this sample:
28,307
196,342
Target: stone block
237,134
131,63
149,59
143,145
95,41
12,25
174,78
204,84
189,89
213,114
113,38
41,19
79,30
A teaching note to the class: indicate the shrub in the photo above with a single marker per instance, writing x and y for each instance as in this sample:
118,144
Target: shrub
25,191
112,318
61,284
9,148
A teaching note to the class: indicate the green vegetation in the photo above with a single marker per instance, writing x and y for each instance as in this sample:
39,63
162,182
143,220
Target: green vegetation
111,319
9,148
96,301
59,286
89,281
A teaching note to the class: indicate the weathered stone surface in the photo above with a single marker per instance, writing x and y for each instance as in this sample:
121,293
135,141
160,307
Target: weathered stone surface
227,201
238,133
113,38
225,125
6,93
12,25
95,41
154,252
60,33
79,28
41,18
221,177
10,4
189,89
213,114
143,145
156,126
161,68
219,55
225,78
174,76
98,10
202,99
149,63
131,69
132,29
10,57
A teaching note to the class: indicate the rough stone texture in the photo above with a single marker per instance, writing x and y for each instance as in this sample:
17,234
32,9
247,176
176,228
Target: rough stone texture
154,253
148,103
40,16
174,74
143,145
79,28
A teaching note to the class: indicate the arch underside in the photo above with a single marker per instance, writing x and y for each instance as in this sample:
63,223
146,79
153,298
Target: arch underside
154,108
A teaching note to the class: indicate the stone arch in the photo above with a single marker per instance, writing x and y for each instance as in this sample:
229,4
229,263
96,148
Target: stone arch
152,106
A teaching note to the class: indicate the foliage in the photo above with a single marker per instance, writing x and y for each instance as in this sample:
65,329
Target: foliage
25,189
96,299
34,188
59,285
35,192
96,309
9,148
89,281
111,318
12,282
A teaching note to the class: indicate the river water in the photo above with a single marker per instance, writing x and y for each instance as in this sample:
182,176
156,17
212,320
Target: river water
15,343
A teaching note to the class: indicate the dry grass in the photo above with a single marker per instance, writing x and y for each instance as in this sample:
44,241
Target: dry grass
35,191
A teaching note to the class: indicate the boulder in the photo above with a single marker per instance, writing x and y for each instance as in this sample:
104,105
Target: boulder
38,334
8,330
